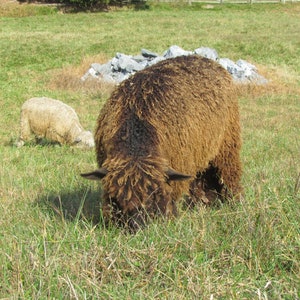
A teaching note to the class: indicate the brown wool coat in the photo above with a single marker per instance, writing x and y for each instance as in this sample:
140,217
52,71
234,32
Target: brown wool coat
180,114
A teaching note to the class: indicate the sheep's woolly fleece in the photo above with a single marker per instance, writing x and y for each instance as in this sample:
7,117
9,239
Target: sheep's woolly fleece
168,130
54,120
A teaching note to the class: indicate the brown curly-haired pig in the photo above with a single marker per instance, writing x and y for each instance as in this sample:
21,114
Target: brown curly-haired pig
169,130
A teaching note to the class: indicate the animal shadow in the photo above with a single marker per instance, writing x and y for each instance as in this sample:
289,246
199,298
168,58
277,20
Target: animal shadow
81,204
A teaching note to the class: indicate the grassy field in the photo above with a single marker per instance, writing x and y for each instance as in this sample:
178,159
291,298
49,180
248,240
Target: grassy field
52,245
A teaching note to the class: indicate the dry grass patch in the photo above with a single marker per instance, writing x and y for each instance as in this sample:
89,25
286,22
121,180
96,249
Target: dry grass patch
281,82
14,9
69,79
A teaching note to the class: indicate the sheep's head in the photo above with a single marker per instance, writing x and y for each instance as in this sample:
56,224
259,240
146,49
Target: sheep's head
136,191
84,139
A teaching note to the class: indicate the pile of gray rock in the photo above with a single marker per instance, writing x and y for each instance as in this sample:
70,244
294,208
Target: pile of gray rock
122,66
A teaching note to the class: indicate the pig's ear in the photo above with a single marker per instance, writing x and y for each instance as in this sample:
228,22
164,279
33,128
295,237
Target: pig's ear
95,175
173,175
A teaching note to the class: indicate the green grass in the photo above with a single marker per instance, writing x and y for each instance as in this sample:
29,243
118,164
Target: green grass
51,242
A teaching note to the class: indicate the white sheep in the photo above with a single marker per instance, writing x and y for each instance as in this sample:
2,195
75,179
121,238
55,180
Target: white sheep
54,120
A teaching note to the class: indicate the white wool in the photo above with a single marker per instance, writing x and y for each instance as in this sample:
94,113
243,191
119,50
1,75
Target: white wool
54,120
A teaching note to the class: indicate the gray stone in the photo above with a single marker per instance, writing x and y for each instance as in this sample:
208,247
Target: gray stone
102,69
90,72
155,60
250,73
120,76
148,53
115,64
246,65
207,52
232,68
140,58
123,66
175,51
128,64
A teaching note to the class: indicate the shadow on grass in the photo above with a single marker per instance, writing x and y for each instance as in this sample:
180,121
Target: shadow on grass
83,203
13,142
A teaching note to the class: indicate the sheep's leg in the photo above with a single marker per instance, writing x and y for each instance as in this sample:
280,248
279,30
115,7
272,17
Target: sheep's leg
54,136
229,169
221,180
25,131
205,188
